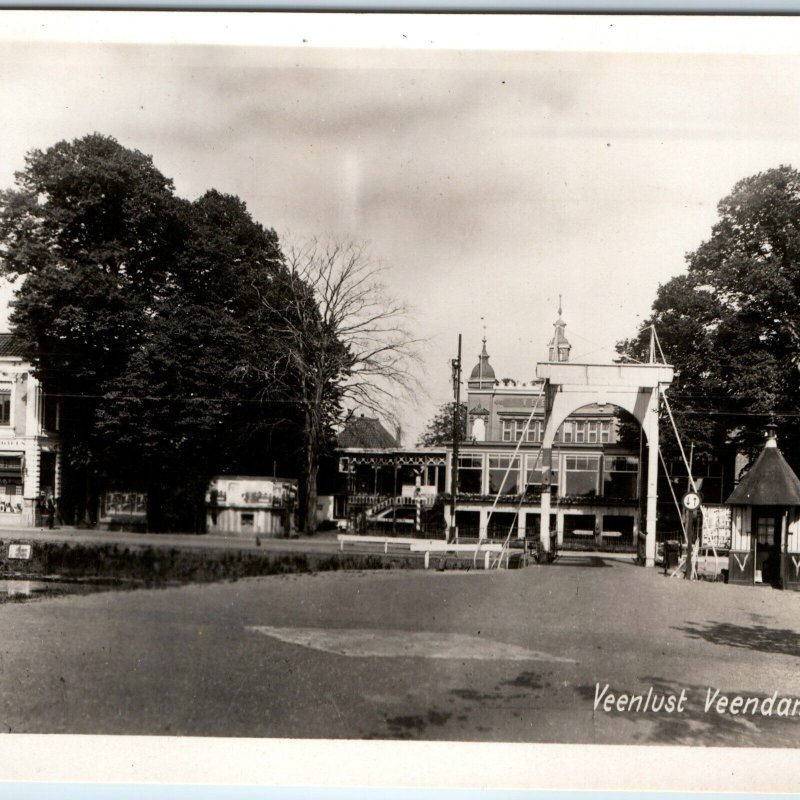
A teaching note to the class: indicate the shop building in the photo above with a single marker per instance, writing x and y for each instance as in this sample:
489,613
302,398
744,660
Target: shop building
593,474
248,505
30,459
558,459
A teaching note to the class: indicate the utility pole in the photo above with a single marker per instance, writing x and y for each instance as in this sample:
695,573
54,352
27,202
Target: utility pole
690,516
456,365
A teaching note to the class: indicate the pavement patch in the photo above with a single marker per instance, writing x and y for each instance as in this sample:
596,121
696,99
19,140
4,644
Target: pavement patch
366,642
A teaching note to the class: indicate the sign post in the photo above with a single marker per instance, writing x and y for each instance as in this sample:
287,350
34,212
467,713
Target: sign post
691,502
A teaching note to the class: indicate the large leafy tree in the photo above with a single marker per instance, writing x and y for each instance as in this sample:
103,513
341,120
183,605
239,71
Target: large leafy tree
196,416
93,230
731,323
136,309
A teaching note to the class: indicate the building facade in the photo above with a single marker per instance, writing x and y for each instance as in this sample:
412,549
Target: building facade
249,505
594,472
30,459
590,472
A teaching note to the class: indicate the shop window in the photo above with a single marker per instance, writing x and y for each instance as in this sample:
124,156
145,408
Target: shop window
621,477
501,523
581,475
613,523
499,481
533,470
468,523
578,522
470,473
248,519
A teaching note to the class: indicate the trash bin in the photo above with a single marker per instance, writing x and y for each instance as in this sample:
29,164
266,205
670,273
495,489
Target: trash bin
672,555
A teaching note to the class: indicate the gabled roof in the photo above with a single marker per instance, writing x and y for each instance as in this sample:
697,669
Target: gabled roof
769,482
10,346
365,432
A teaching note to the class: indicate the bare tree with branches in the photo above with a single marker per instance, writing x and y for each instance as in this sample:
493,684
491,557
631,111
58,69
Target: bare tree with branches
341,343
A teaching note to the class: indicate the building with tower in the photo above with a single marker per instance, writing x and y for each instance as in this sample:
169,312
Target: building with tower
593,477
558,459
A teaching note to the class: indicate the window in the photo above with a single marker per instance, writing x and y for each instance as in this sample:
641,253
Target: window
499,482
514,430
533,470
535,431
470,473
582,474
51,413
566,430
592,428
621,477
248,519
580,432
5,406
605,431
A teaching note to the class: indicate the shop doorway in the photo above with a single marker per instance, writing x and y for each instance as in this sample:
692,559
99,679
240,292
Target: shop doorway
767,541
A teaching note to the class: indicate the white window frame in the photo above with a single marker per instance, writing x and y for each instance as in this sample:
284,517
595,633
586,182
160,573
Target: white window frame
8,386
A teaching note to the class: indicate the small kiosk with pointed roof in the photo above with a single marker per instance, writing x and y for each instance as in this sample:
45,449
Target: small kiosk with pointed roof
765,522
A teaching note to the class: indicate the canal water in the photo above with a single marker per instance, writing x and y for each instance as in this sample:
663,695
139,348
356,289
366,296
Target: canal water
20,589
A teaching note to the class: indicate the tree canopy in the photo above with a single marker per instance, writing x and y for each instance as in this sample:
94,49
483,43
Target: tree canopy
731,324
137,308
439,430
179,339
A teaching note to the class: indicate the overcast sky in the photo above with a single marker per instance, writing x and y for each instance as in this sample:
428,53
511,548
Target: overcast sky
487,181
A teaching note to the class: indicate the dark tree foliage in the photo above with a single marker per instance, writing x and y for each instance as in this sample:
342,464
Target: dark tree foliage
731,324
136,310
439,430
92,228
197,417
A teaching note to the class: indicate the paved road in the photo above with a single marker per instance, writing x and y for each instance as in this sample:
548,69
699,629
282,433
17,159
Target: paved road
498,656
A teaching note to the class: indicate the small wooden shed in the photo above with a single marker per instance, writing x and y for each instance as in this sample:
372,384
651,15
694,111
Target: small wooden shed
765,522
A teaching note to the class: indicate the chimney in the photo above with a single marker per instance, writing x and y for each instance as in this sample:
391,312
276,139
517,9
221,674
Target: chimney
771,434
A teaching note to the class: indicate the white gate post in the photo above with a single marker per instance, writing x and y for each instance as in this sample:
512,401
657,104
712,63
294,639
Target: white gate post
651,432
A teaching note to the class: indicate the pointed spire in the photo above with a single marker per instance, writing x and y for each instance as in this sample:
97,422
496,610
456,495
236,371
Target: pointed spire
482,376
559,347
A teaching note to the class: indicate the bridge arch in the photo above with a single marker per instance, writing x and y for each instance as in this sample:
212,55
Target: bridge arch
636,388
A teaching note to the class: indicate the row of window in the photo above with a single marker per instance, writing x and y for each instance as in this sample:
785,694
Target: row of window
609,476
580,431
50,410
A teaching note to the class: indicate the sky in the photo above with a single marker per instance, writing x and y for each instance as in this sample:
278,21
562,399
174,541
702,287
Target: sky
489,164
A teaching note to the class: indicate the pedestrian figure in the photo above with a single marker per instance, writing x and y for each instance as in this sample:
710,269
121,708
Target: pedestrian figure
51,513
